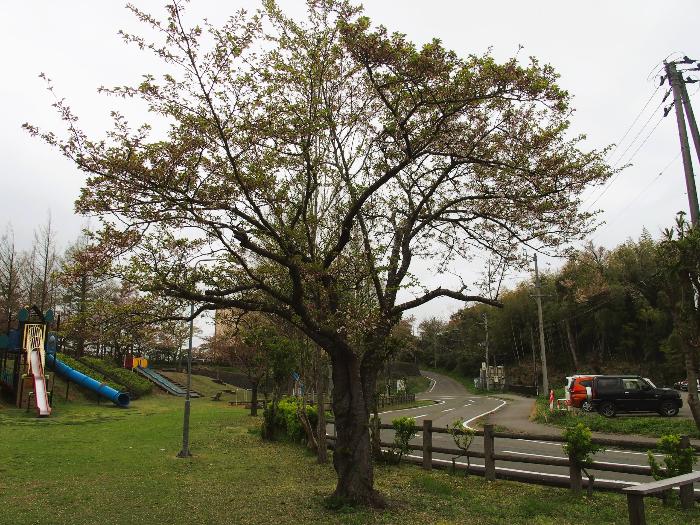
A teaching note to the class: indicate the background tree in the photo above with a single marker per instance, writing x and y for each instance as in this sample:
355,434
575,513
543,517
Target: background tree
680,259
429,331
248,342
316,161
83,279
10,279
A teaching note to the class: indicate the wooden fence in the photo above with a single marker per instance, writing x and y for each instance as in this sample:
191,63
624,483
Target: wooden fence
490,457
396,399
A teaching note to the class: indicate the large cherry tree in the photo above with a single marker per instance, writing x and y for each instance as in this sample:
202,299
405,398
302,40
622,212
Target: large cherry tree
312,163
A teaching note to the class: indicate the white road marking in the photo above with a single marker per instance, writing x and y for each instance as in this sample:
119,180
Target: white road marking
416,417
560,457
630,452
503,469
433,385
539,442
466,423
529,454
606,450
448,409
410,408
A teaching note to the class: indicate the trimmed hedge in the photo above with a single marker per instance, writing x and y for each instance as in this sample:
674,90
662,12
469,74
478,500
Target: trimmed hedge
84,369
135,385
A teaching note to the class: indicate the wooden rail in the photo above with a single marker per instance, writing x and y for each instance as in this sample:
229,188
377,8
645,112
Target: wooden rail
606,442
634,493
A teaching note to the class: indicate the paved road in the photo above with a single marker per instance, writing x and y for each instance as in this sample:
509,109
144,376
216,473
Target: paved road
453,402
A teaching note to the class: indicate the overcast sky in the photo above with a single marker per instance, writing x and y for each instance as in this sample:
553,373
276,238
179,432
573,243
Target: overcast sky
608,53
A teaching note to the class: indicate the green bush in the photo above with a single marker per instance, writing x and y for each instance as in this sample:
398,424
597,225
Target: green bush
282,420
677,460
135,385
404,431
84,369
578,445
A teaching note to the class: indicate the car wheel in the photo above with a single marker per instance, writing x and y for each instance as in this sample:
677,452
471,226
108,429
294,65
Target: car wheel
607,409
668,409
586,406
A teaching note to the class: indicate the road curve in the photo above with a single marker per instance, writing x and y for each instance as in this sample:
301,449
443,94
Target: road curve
454,402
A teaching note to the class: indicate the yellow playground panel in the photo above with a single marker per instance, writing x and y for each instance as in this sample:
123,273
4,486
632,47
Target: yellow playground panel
135,362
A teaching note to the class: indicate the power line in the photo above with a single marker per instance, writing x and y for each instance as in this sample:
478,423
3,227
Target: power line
645,141
623,210
617,175
646,104
629,146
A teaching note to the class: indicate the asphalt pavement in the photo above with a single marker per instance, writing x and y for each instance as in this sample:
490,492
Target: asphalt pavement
452,401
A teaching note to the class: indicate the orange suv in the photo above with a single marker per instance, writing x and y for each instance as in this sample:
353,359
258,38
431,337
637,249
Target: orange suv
578,391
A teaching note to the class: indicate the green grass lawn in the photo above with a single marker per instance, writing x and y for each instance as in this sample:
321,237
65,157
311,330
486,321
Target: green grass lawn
99,464
206,385
653,426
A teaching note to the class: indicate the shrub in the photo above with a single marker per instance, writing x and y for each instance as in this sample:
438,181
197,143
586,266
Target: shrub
135,385
578,445
463,437
404,431
282,420
84,369
677,460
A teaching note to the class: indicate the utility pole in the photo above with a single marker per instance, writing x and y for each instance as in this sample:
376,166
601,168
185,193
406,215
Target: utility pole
677,85
543,355
690,115
534,363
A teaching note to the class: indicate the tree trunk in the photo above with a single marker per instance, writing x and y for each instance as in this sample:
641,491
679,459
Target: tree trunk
303,416
691,370
572,343
352,458
254,399
322,451
322,448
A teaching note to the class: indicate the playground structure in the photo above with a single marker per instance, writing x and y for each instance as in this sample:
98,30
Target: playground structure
163,382
24,354
140,366
131,362
34,336
23,361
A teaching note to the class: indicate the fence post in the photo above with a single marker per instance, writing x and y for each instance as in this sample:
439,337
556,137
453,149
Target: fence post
635,507
687,496
427,444
489,462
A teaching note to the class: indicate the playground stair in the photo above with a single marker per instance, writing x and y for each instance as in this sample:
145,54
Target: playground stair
171,387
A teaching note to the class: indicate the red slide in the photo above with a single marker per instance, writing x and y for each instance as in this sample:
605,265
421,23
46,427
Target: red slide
40,396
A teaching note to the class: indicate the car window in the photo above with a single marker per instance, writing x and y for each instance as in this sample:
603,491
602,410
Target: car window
631,384
587,382
608,384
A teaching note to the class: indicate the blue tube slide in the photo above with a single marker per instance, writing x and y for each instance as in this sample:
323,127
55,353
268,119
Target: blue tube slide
121,399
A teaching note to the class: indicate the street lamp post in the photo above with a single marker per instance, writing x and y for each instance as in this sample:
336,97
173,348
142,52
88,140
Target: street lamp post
185,452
